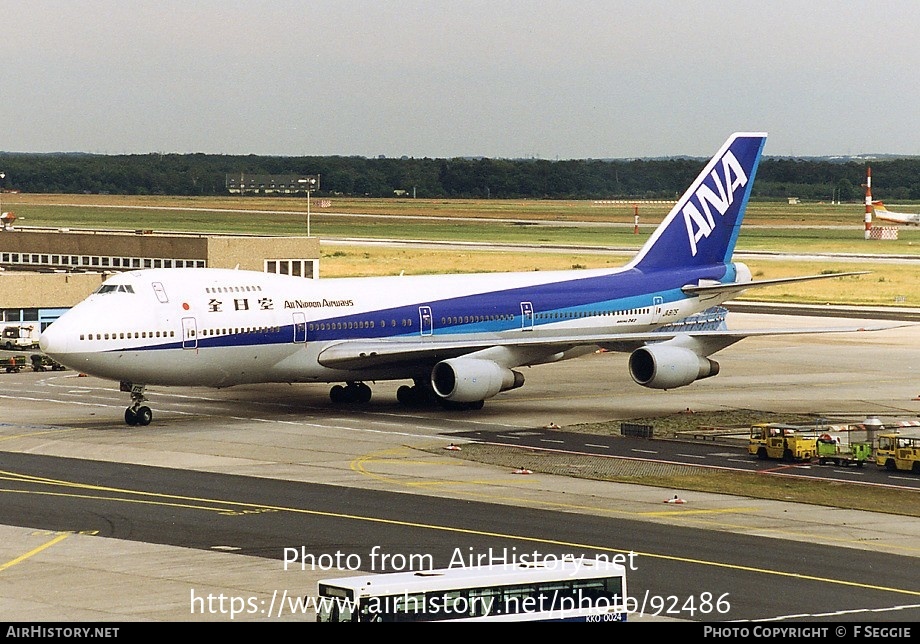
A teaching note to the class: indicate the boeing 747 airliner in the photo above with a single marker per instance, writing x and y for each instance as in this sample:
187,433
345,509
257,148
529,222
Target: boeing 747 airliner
458,338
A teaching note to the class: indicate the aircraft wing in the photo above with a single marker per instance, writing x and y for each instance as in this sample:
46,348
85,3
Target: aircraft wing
362,354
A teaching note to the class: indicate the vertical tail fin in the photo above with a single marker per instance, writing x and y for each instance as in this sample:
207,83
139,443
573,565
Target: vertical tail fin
703,225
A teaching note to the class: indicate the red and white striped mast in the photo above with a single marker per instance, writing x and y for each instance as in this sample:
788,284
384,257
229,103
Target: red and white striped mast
868,202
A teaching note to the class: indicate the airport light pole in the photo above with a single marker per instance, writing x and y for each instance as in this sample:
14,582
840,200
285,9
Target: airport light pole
310,183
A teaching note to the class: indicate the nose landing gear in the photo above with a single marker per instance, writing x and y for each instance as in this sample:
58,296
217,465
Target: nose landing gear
138,413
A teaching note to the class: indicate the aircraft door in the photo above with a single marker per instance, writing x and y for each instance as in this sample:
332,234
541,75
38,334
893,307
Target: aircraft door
300,328
657,305
425,320
526,316
161,292
189,333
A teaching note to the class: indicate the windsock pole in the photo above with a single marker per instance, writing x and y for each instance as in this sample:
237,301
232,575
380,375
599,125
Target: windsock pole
868,202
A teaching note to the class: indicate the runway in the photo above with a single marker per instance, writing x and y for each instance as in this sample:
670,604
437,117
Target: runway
292,438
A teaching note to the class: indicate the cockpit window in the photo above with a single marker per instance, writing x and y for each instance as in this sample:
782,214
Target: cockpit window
114,288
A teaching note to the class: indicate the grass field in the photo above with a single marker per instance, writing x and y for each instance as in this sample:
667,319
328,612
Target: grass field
762,213
772,225
759,486
769,227
837,494
885,285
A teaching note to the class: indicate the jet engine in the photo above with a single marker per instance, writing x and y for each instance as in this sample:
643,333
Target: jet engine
472,379
663,366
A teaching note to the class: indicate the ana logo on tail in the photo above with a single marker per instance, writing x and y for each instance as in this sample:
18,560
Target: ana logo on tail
701,225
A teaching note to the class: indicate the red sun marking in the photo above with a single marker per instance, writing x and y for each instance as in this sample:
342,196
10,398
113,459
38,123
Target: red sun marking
185,306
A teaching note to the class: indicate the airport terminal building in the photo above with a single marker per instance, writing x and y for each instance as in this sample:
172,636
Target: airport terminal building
43,272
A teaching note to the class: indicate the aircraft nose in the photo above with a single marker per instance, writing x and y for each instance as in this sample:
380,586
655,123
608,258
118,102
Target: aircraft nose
50,342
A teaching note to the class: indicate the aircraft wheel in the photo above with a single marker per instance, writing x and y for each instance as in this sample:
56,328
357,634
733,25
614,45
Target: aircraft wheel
404,394
130,416
414,396
144,415
337,394
362,393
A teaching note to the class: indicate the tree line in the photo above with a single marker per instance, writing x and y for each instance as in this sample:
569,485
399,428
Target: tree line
205,175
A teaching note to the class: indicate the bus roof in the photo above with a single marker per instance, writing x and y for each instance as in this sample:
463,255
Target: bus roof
477,576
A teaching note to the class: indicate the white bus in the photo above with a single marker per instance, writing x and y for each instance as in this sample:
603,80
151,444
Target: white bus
580,590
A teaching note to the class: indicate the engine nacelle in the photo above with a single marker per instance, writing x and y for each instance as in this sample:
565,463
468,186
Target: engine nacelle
472,379
667,367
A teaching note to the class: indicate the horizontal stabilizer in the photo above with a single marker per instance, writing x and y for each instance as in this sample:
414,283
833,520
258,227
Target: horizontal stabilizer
718,288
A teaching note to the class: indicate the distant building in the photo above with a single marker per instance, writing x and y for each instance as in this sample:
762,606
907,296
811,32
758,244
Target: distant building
45,271
270,184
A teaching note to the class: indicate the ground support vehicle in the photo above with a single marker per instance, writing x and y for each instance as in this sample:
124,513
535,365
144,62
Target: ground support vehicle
14,364
829,450
786,442
896,451
41,362
20,336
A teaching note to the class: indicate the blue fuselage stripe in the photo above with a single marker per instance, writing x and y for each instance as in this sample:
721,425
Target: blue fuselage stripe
489,312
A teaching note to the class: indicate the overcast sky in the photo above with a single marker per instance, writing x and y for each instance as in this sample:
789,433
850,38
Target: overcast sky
438,78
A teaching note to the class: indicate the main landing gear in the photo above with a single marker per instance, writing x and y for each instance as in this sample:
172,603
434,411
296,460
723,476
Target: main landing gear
420,395
138,413
352,392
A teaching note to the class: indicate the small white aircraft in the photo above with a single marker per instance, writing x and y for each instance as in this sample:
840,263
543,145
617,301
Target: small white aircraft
458,338
881,212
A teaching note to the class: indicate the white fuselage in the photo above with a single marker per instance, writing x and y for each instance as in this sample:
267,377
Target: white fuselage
218,328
